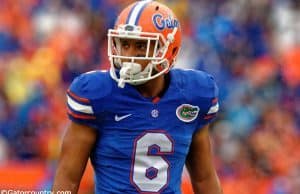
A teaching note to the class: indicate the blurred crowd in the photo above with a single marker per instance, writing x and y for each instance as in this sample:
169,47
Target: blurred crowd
251,47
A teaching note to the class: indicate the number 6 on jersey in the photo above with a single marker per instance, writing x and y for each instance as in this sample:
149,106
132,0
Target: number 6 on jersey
150,169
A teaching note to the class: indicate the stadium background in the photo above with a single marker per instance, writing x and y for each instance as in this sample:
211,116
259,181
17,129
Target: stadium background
251,47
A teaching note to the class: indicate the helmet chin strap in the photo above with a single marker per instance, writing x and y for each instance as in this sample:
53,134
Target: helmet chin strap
128,70
133,71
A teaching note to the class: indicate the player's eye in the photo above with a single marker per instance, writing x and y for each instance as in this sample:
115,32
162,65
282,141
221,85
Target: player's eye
125,44
141,46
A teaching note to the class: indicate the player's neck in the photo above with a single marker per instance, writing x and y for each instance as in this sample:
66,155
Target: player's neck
153,88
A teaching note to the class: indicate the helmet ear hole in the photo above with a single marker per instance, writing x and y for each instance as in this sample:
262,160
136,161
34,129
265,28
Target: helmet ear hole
174,51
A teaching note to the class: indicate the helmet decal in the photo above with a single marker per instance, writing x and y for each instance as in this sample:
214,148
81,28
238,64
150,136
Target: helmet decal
161,23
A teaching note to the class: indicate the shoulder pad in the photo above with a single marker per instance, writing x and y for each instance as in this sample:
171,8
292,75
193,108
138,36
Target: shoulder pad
200,83
92,85
85,91
200,89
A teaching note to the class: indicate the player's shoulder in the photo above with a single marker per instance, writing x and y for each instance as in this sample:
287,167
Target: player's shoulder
196,82
91,85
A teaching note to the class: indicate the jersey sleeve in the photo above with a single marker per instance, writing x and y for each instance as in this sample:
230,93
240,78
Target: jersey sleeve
210,108
79,105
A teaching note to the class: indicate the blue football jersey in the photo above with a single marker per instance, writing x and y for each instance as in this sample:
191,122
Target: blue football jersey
142,143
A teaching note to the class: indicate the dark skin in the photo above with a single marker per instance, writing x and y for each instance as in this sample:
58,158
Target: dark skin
199,163
138,48
72,162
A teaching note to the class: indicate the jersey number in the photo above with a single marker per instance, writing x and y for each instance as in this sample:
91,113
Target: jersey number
150,169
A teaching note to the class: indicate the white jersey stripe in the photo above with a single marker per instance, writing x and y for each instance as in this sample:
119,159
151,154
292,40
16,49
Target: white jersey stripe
136,10
213,109
79,107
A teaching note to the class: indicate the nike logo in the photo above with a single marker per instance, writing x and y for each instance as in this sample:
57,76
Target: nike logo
119,118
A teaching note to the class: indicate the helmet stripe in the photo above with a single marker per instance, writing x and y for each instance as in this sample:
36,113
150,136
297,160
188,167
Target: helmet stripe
136,11
139,14
130,13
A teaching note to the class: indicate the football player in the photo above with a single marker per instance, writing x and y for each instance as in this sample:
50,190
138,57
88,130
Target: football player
142,121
